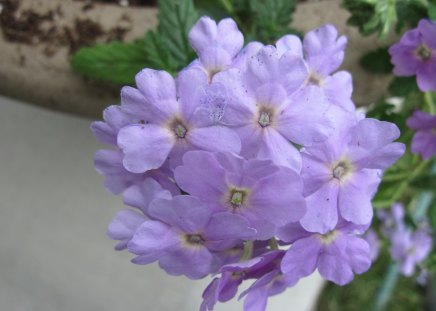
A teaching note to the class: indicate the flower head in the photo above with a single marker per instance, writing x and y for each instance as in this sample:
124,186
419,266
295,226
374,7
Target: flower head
415,54
424,140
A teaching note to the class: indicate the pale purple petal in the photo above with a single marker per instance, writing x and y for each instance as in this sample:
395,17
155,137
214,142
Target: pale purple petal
192,261
322,209
302,258
145,147
215,138
291,43
184,212
225,226
355,196
123,227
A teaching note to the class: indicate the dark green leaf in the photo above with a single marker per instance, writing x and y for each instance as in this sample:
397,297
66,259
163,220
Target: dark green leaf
378,61
432,215
403,86
425,182
432,11
157,53
115,62
176,17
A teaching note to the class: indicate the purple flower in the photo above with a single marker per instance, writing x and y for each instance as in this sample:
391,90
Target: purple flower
338,254
374,244
215,44
323,52
266,195
392,219
267,111
342,174
172,126
225,287
185,236
125,222
424,140
415,54
410,248
109,163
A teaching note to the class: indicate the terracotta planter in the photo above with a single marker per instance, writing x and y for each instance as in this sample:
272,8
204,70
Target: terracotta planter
37,68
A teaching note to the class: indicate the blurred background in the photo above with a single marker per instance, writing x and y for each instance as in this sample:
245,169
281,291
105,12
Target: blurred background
54,253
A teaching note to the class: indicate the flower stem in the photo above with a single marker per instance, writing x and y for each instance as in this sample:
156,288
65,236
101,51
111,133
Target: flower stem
428,99
273,244
248,251
387,288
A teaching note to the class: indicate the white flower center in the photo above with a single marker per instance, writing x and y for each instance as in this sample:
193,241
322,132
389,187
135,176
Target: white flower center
423,52
264,119
341,170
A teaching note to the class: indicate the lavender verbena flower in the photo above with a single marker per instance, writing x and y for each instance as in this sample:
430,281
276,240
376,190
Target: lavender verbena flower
267,111
215,44
392,219
424,140
109,162
373,241
225,287
337,254
268,196
185,235
410,248
127,221
415,54
323,52
342,174
172,126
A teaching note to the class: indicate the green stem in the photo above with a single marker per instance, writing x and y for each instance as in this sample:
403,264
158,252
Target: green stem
387,288
273,244
248,251
428,99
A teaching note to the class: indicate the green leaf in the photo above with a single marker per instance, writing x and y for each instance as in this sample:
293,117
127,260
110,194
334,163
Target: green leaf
115,62
271,18
432,215
403,86
425,182
378,61
157,54
432,11
176,17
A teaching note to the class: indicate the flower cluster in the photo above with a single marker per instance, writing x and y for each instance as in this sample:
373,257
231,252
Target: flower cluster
415,54
408,247
251,164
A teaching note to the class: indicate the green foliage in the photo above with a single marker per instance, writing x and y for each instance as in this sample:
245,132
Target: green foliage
167,48
403,86
259,20
377,61
380,16
176,17
359,294
432,11
115,62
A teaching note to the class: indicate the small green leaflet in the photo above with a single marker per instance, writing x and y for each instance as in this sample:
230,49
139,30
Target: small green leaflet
377,61
167,48
115,62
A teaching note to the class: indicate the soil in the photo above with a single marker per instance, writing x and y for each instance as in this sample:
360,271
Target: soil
31,28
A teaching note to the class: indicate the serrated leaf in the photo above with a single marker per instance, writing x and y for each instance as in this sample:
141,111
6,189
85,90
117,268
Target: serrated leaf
378,61
271,18
157,53
403,86
176,17
115,62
